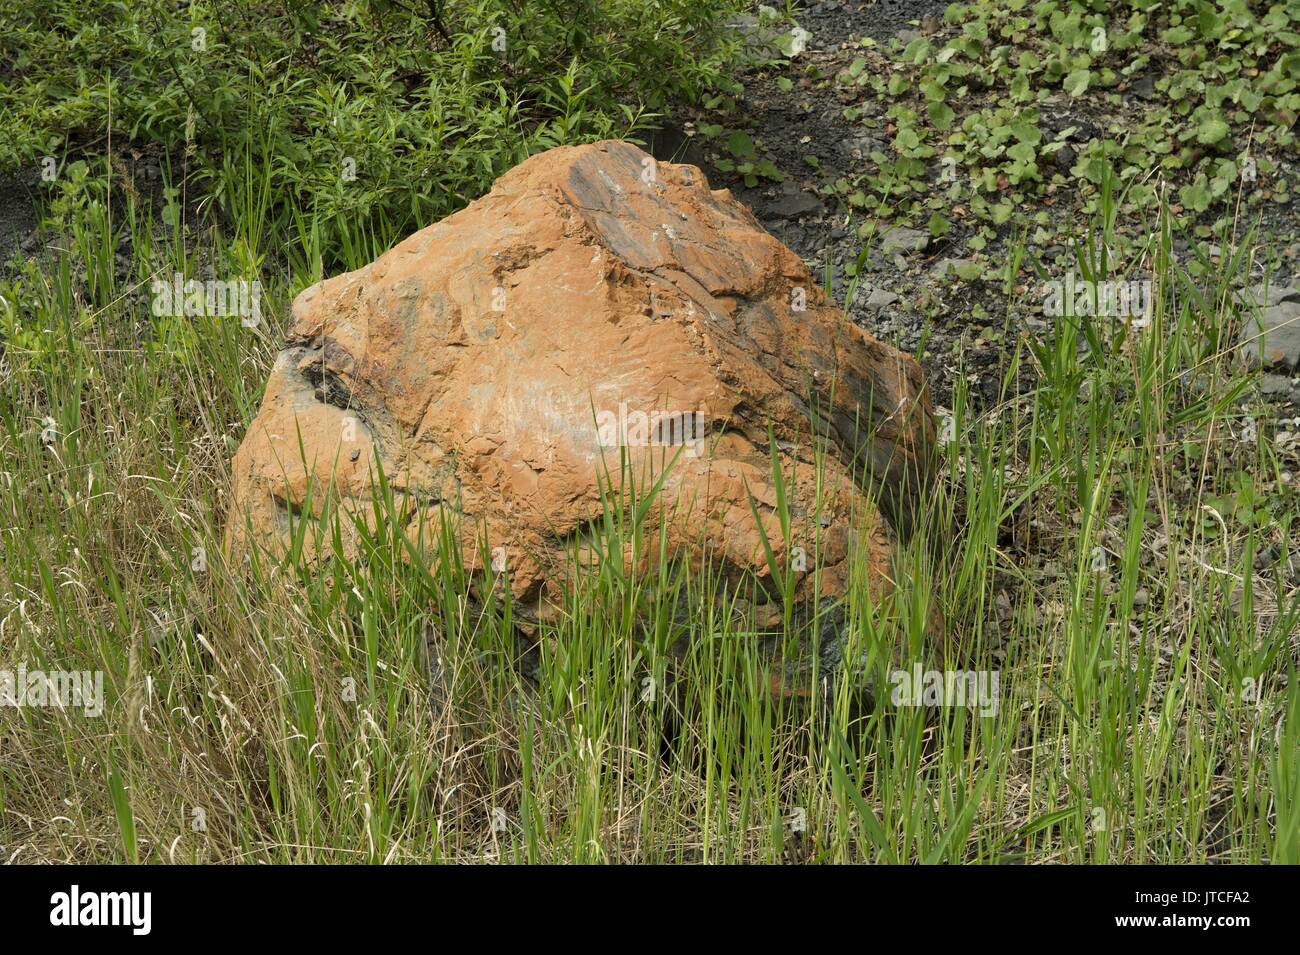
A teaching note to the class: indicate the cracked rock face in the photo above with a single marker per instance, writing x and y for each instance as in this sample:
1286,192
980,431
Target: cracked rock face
596,320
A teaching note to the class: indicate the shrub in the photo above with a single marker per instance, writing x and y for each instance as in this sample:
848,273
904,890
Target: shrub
347,123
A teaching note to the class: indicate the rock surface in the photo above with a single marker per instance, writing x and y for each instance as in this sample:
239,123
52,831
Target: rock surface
901,240
1270,329
594,304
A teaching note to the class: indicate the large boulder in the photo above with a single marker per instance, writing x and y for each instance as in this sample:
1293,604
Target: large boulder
596,320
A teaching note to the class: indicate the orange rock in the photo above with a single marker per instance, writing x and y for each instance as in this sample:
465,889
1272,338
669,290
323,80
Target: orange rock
592,319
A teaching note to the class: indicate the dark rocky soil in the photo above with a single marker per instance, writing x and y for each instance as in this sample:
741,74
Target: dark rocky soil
17,212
